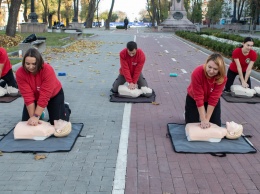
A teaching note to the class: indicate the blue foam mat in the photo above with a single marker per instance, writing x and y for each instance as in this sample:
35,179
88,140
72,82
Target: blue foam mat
51,144
225,146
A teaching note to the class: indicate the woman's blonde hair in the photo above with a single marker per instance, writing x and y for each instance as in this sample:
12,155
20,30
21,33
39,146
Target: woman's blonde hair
219,61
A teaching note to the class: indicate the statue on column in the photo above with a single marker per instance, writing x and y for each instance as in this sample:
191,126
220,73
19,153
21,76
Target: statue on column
177,18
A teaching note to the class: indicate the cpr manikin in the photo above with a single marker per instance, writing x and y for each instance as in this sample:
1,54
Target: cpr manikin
240,91
124,91
257,89
213,134
43,130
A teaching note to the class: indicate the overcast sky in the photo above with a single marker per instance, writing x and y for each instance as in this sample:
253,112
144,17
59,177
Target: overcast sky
130,7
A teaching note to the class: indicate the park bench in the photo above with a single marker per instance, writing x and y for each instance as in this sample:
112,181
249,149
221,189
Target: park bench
39,44
74,33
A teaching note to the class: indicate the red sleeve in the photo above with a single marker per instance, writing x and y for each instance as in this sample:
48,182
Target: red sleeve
216,93
5,61
253,55
139,66
49,87
197,86
3,56
124,66
24,86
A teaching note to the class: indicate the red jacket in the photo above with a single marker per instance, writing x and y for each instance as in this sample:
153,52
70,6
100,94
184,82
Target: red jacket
4,60
244,60
40,87
131,67
202,89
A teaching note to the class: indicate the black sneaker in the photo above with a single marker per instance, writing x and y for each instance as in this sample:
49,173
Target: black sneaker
112,91
227,91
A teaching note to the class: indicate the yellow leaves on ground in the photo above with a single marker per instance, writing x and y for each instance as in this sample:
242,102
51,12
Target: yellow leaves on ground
39,157
155,103
77,46
8,41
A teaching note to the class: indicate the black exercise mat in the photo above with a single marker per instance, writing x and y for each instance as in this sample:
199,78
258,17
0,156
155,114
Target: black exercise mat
225,146
51,144
115,97
229,98
7,99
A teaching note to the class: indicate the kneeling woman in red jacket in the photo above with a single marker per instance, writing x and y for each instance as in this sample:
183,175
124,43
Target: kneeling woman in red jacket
40,88
204,91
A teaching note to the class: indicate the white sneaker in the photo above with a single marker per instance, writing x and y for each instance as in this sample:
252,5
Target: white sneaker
3,91
12,91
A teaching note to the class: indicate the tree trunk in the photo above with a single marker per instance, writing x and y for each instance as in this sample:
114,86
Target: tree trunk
97,13
67,11
12,19
50,20
25,2
8,5
110,15
160,11
91,12
153,12
240,9
59,3
45,8
148,10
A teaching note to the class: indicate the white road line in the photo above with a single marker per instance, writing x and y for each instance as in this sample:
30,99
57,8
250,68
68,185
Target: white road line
166,51
121,163
183,71
173,59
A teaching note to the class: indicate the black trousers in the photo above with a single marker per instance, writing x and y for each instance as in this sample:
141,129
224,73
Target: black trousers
9,79
56,109
192,113
231,75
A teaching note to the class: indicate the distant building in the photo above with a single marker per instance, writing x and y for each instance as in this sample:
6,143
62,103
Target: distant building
4,14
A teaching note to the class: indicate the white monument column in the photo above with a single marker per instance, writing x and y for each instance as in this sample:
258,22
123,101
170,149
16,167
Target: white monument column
177,18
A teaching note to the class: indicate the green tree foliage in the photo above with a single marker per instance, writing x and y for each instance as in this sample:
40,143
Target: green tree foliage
255,12
115,17
196,14
84,9
188,9
226,10
214,11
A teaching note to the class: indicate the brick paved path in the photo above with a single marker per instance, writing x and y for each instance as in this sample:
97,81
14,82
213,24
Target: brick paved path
152,165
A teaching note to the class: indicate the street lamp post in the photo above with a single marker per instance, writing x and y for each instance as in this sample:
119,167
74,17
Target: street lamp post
234,20
76,5
33,16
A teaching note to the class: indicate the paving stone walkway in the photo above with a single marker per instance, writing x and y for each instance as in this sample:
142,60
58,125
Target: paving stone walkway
152,166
